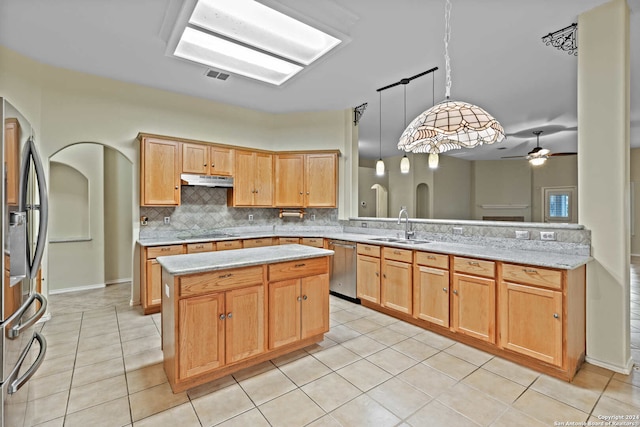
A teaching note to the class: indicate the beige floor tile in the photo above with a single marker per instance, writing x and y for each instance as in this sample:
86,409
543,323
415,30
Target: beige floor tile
113,413
266,386
511,371
363,411
101,354
341,333
149,330
597,369
154,400
382,319
494,385
46,409
106,312
319,346
469,354
60,350
88,331
363,325
253,370
96,393
290,357
222,405
450,365
293,409
571,394
607,406
143,359
415,349
211,387
183,415
326,421
592,380
61,338
98,341
624,392
140,345
434,340
364,374
146,377
428,380
387,336
363,346
547,409
51,384
399,397
632,378
392,361
435,414
331,391
58,422
96,372
253,418
55,366
336,357
405,328
514,418
476,406
305,370
133,320
343,316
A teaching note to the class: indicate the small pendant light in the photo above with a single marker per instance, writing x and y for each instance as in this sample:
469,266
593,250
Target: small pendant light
380,163
405,165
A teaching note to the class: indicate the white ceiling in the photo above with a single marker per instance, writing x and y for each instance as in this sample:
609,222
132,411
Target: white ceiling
498,60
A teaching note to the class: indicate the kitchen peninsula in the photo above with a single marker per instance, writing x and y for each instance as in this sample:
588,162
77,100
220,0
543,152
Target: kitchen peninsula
225,311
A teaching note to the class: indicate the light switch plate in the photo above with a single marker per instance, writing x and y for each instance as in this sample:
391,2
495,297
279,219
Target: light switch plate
250,217
547,235
457,231
522,234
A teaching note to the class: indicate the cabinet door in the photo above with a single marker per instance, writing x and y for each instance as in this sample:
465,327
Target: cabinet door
284,312
153,295
431,295
201,334
263,181
474,307
160,172
244,323
221,160
289,180
195,158
320,180
315,305
11,150
368,278
396,286
531,321
243,188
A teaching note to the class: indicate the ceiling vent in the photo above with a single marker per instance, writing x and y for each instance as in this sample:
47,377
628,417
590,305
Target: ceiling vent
217,75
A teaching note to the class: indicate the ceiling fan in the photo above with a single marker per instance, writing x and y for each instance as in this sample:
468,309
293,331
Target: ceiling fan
538,155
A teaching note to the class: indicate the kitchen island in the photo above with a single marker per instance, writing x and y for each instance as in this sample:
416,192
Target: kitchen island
225,311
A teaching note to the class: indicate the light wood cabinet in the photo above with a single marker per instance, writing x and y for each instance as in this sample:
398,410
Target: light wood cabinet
431,288
316,242
397,280
474,307
151,276
194,248
305,180
11,157
159,172
203,159
257,243
288,240
368,273
221,161
226,245
253,180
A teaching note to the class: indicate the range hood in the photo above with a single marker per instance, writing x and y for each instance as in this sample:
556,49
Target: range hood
206,180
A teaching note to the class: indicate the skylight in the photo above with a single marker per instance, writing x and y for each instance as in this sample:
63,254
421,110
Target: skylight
248,38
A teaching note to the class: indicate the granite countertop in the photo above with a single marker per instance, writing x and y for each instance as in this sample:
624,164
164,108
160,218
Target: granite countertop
531,257
203,262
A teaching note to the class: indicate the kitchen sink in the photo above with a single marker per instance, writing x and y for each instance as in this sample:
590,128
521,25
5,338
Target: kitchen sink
403,241
387,239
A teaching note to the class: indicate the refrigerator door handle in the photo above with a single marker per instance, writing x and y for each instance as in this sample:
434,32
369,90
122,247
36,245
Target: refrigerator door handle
16,317
17,383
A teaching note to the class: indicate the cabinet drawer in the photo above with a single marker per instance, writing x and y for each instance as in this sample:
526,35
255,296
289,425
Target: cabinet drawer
257,243
396,254
157,251
474,266
229,244
194,248
369,250
532,275
298,268
316,242
432,260
289,240
221,280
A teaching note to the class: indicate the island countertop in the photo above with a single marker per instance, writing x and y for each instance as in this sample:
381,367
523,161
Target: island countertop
179,265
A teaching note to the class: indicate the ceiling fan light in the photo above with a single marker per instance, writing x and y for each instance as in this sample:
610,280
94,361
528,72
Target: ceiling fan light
380,168
405,166
433,161
538,160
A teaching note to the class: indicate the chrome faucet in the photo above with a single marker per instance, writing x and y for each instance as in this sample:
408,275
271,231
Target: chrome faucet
407,233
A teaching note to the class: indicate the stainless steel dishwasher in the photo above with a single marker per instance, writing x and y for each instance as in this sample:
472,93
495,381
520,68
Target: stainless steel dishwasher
343,270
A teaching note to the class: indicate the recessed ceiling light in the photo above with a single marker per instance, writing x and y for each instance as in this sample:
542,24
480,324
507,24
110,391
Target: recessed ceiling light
216,52
255,24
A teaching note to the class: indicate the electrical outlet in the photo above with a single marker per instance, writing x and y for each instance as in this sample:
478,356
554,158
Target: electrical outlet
167,220
364,225
313,217
521,234
144,220
547,235
250,217
457,231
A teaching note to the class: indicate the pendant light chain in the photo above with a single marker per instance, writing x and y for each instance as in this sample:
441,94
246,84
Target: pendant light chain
380,124
447,37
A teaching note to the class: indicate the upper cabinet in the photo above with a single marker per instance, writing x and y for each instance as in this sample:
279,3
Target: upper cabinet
202,159
306,180
159,172
253,180
11,148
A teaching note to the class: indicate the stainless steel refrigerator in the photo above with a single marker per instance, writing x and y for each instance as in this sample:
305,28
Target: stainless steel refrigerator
24,219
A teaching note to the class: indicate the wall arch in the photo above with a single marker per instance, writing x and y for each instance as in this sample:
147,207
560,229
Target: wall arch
423,201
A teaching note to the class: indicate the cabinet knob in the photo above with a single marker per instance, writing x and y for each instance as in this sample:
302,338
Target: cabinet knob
304,297
555,315
299,298
307,193
256,191
444,289
229,316
384,275
455,292
222,316
176,187
301,193
212,165
205,165
377,274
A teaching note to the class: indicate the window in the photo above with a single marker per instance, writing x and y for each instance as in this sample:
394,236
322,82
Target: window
559,204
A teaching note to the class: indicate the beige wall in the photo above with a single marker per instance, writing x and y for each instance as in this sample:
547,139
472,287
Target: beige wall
366,178
635,199
500,182
452,183
69,210
557,172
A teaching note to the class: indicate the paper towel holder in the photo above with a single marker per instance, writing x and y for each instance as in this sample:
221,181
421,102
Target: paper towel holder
292,213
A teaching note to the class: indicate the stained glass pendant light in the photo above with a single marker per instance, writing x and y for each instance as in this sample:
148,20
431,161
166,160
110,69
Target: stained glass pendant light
449,125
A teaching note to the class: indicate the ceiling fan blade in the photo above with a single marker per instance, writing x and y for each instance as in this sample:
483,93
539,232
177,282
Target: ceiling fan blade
562,154
513,157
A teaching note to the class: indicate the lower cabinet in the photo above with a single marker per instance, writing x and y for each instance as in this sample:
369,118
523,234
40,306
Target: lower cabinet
474,307
151,280
431,295
368,273
220,328
298,309
397,280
